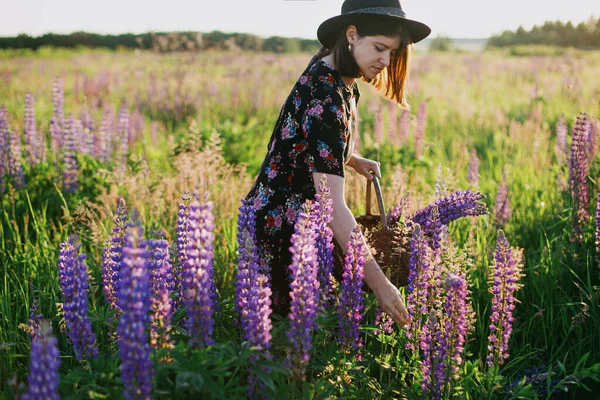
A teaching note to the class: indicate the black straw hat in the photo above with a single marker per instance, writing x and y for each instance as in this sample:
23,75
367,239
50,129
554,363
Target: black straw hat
354,9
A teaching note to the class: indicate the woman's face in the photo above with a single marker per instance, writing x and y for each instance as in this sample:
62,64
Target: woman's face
373,53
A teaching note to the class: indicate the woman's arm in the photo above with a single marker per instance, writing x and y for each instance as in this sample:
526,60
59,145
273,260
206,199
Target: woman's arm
364,166
343,222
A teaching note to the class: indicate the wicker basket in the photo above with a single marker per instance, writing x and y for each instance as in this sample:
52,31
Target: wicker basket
389,245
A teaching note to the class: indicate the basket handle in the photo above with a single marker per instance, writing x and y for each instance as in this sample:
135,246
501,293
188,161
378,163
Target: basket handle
379,201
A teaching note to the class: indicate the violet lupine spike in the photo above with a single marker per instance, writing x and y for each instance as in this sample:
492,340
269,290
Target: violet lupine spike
404,126
102,149
378,126
321,212
420,129
248,260
4,147
135,300
456,205
593,139
384,322
199,289
15,167
58,116
578,170
503,208
393,123
473,170
43,365
441,185
113,254
398,210
32,140
182,233
561,141
352,302
598,230
455,329
161,276
258,325
304,293
419,277
123,132
73,279
504,278
70,156
430,363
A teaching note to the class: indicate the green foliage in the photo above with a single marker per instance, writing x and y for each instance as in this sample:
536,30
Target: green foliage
440,43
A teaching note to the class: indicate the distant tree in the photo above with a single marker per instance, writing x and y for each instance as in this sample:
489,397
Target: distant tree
440,43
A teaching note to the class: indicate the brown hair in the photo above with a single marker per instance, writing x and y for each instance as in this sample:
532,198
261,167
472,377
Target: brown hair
391,81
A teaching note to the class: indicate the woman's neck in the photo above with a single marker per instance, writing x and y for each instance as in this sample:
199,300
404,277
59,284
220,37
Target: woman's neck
348,80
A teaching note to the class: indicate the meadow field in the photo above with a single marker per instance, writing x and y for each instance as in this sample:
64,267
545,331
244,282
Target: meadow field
140,161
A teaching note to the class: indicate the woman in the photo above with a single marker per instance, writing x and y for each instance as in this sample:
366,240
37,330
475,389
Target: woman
313,136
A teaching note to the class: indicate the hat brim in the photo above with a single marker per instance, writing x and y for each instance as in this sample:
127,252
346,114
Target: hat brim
330,28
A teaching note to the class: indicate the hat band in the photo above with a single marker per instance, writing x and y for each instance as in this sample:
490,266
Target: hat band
394,11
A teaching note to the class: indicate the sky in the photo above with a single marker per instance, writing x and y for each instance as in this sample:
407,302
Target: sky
288,18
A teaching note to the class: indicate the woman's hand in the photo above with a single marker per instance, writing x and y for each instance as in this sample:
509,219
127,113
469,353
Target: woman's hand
390,300
365,166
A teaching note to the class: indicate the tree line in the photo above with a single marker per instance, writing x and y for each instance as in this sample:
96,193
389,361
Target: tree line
585,35
164,42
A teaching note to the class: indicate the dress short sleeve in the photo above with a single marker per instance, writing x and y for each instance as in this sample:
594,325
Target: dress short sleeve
324,128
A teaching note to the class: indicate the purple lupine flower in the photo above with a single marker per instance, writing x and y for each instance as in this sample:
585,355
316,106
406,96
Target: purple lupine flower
441,185
199,289
113,254
456,205
248,260
161,277
258,325
135,300
473,169
378,126
33,141
398,210
504,278
420,129
73,279
419,277
352,301
383,321
321,215
393,123
431,363
503,209
304,292
561,141
15,168
455,329
35,319
123,133
104,136
58,116
404,126
70,156
578,169
4,147
43,365
598,229
593,139
182,239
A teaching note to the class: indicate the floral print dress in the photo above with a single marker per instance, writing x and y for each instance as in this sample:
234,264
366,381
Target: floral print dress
314,133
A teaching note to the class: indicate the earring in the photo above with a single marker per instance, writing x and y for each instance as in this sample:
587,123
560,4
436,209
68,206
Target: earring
349,48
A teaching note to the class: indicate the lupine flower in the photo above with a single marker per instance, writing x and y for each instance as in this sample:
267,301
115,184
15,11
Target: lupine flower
420,129
58,116
384,322
43,365
321,216
135,300
161,276
248,263
182,239
441,186
473,170
199,289
598,230
420,264
456,205
351,297
73,279
398,210
113,254
578,169
561,141
33,141
593,139
304,293
103,142
123,133
15,168
70,156
4,147
503,209
455,329
504,278
378,126
393,123
431,362
404,126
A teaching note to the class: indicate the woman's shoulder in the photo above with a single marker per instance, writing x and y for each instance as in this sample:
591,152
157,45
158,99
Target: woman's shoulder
319,76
